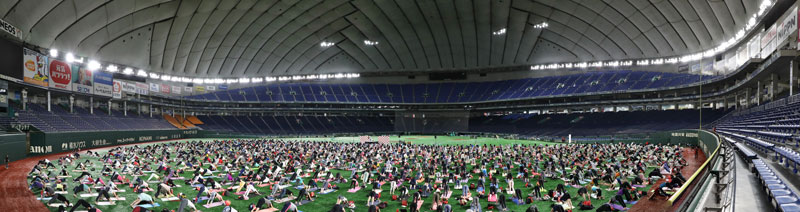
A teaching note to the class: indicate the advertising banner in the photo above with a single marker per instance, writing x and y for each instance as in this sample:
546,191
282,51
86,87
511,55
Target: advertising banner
10,29
141,88
223,87
787,26
165,88
35,68
176,89
103,83
60,74
128,86
768,41
82,79
211,88
3,94
199,88
117,89
154,87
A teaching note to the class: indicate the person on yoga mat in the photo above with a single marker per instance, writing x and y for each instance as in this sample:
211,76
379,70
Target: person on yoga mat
263,203
59,198
81,202
185,203
142,199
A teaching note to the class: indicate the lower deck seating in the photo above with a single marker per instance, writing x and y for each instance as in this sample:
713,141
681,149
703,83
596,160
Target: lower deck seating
783,197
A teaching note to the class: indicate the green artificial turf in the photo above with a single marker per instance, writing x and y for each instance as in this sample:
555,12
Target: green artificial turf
324,202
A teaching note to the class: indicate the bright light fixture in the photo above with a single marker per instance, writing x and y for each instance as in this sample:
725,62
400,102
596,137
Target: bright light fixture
499,32
53,53
112,68
141,73
70,57
370,43
93,65
326,44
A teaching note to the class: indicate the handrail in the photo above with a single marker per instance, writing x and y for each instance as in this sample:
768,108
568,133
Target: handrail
696,173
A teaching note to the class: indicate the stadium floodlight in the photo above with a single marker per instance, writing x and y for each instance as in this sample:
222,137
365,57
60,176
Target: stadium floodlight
218,80
338,76
186,79
643,62
658,61
311,77
581,65
370,43
141,73
326,44
53,52
257,80
166,78
229,81
112,68
69,57
154,76
626,63
208,81
93,65
270,79
500,32
298,77
127,71
323,76
613,64
244,80
284,78
198,81
540,26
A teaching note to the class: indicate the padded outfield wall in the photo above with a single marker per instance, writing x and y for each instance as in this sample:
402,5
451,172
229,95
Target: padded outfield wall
58,142
16,146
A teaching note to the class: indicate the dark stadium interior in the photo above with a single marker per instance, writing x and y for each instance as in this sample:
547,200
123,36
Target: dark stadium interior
399,105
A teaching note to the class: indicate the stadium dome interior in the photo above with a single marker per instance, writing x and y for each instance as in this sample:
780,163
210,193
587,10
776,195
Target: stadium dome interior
463,105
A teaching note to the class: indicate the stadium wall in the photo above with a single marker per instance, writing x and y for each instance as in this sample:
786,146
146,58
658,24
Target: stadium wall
48,143
13,145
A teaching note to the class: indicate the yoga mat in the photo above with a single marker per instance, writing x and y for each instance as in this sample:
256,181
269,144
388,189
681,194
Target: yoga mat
213,205
170,199
89,195
43,198
639,186
268,210
55,205
117,191
61,192
150,205
118,198
354,190
327,191
104,203
285,199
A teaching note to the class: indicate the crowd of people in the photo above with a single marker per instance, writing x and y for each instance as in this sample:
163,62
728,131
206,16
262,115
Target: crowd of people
265,174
